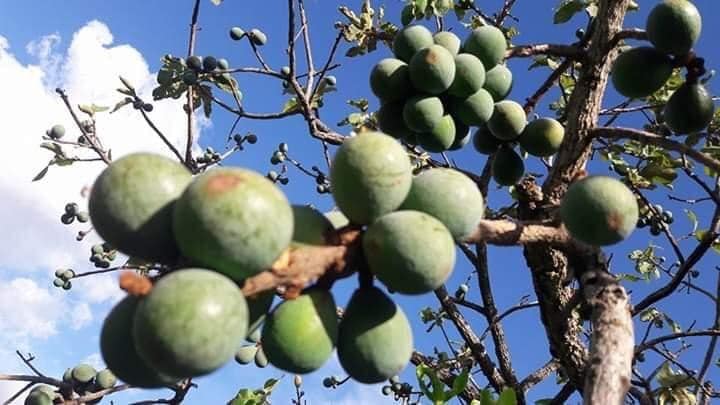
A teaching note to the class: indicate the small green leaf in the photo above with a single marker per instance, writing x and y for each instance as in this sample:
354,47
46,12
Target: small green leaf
507,397
42,173
567,9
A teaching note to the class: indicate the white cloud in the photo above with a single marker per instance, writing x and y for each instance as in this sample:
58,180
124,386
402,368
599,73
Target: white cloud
27,311
94,360
80,316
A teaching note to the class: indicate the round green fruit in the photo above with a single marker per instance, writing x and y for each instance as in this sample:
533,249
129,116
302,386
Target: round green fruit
689,109
83,373
210,63
390,120
191,323
56,132
390,80
507,167
507,121
246,354
38,397
639,72
223,64
542,137
300,334
47,389
422,113
409,251
311,226
370,176
448,40
474,110
449,196
485,142
488,43
462,135
194,62
375,340
599,211
498,82
131,205
410,40
257,37
233,220
674,26
469,76
440,138
432,69
236,33
105,379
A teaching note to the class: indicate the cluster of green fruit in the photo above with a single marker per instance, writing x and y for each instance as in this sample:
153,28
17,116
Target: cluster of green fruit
83,379
196,66
257,37
102,255
673,27
72,212
209,156
655,218
63,277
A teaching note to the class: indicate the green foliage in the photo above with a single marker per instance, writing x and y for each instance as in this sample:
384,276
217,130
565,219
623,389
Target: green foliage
255,397
434,389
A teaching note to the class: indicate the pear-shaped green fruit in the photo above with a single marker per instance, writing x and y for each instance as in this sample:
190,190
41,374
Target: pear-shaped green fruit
257,37
507,121
83,373
410,40
237,33
337,218
371,176
421,113
674,26
390,120
498,82
233,220
432,69
639,72
258,307
449,41
105,379
449,196
246,354
375,340
599,211
131,205
191,323
474,110
409,251
390,80
488,43
440,138
469,75
542,137
38,397
311,226
689,109
462,135
485,142
507,167
300,334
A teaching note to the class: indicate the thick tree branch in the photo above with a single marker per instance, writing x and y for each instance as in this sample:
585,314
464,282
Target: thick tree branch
512,233
524,51
539,375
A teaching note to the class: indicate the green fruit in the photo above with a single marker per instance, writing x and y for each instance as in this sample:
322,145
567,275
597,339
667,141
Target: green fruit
462,135
599,211
371,176
507,121
236,33
68,274
257,37
233,220
337,218
542,137
448,40
56,132
190,78
440,138
422,113
119,352
83,373
131,205
191,323
285,71
375,340
246,354
58,282
409,251
474,110
67,285
410,40
390,80
507,167
498,82
258,307
223,64
639,72
485,142
38,397
195,63
105,379
311,226
67,376
469,76
689,109
210,63
300,334
449,196
47,389
674,26
390,120
488,43
432,69
261,359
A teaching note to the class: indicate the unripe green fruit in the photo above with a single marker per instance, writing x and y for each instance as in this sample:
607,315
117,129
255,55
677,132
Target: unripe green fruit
83,373
190,78
234,221
469,76
371,176
261,359
689,109
131,205
246,354
285,71
257,37
474,110
50,391
639,72
105,379
448,40
390,80
300,334
56,132
674,26
191,323
390,120
498,82
432,69
58,282
223,64
485,142
449,196
507,167
488,43
440,138
421,113
410,40
462,135
409,251
328,382
236,33
67,376
38,398
194,62
507,121
210,63
311,226
599,211
375,340
542,137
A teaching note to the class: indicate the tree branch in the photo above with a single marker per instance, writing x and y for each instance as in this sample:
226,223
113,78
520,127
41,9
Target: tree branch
524,51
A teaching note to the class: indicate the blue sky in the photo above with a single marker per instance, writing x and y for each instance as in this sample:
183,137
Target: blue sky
83,46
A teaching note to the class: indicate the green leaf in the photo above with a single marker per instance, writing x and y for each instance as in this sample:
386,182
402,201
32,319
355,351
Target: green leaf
567,9
487,398
693,218
121,104
459,384
41,174
507,397
270,384
290,105
545,401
